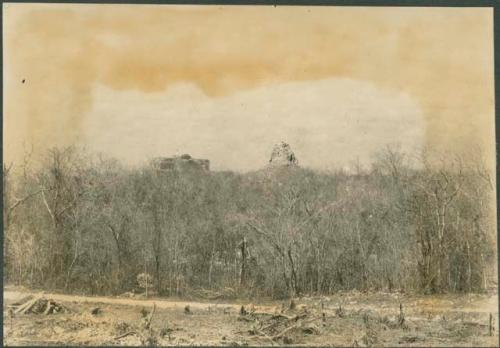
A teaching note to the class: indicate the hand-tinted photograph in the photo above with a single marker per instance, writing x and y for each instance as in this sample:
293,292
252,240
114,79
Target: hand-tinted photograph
179,175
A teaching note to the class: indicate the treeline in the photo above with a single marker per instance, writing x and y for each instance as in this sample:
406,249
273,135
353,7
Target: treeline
77,222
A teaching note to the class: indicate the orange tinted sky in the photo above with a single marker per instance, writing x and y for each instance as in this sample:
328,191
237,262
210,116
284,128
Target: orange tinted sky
226,82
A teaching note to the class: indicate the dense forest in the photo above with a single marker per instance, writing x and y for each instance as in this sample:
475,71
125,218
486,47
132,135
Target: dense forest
79,222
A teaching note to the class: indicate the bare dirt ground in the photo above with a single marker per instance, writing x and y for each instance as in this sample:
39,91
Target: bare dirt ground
343,319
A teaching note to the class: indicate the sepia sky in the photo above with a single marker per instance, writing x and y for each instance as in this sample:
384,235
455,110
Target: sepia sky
227,82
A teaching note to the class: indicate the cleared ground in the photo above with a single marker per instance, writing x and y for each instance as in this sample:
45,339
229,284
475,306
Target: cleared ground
343,319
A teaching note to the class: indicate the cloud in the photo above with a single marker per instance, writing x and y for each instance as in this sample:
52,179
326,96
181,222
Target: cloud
328,123
441,57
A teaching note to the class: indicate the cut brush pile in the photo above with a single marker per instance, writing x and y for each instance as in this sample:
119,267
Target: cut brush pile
38,305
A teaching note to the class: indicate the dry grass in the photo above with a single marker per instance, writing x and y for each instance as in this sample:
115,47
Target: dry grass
368,320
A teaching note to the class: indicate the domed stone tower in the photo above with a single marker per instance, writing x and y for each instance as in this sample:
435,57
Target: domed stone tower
283,155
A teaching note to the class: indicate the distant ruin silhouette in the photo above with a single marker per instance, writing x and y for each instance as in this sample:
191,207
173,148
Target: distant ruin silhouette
282,155
181,163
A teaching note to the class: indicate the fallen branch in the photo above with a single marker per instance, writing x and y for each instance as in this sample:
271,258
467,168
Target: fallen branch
241,318
261,334
296,326
49,307
21,307
289,318
125,335
27,306
279,335
270,325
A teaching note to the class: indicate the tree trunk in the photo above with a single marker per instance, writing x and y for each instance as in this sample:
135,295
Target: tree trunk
158,273
469,269
293,277
243,270
211,265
